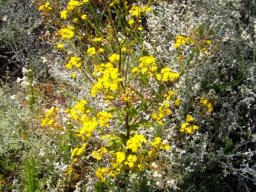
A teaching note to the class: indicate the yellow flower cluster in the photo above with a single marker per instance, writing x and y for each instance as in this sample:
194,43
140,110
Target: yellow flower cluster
78,110
172,95
135,156
108,79
135,143
97,39
71,6
88,126
167,75
181,40
91,51
115,2
103,118
131,160
74,61
188,126
64,14
45,7
194,39
120,157
206,103
99,153
114,58
164,110
137,11
147,65
102,172
82,115
50,118
68,32
78,150
159,144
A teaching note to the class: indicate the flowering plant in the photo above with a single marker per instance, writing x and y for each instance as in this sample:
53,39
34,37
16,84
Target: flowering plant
130,117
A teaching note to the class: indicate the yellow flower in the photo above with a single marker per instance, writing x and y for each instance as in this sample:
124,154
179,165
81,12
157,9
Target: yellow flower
140,28
188,128
78,151
60,46
64,14
88,127
75,20
167,147
50,118
189,118
114,58
97,39
45,7
167,74
123,49
156,142
163,111
74,152
72,4
131,22
108,79
135,142
177,102
146,9
170,95
209,107
103,118
101,50
120,157
74,61
135,11
73,75
203,101
67,33
98,154
147,65
101,173
206,103
91,51
181,40
84,17
131,160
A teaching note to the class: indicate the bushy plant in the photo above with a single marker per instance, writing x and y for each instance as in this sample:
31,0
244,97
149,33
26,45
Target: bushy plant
133,113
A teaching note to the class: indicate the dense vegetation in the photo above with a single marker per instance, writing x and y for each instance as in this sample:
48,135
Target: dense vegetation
119,95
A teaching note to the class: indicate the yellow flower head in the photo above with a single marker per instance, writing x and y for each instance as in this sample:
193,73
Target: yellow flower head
147,65
64,14
167,74
135,142
91,51
131,160
101,173
114,58
74,62
189,118
120,157
45,7
67,33
84,17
